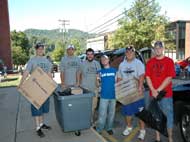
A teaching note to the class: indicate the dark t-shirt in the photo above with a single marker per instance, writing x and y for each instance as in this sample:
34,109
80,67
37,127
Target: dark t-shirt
158,70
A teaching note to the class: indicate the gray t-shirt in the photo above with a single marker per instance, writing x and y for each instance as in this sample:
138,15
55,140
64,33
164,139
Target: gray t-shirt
135,68
89,71
39,61
70,66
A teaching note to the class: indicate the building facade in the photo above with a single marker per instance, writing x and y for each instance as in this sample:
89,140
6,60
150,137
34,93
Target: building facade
181,38
5,46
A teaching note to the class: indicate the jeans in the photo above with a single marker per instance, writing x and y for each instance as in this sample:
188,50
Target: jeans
106,112
166,104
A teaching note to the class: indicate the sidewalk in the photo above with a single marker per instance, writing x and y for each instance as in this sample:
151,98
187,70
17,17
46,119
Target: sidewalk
17,124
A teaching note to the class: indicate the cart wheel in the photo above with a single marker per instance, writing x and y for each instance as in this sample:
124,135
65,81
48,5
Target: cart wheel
77,133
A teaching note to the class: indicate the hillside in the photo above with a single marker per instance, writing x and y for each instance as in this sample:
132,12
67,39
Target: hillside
56,34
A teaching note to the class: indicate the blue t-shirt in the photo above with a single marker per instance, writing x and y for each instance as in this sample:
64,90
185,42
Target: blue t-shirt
107,76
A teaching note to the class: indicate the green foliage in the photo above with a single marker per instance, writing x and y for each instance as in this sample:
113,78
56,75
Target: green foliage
54,39
20,39
19,56
58,53
141,25
79,47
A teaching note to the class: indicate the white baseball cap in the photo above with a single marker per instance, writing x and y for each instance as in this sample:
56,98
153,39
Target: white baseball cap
70,46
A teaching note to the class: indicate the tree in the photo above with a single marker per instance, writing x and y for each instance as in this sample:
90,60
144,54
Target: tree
79,48
57,53
141,25
19,56
20,39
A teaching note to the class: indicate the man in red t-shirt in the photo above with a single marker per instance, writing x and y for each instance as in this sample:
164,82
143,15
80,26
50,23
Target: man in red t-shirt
159,73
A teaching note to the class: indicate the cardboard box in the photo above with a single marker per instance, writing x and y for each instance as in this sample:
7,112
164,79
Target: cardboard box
76,90
38,87
127,91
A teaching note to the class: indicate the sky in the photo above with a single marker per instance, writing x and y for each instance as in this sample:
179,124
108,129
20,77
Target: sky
84,15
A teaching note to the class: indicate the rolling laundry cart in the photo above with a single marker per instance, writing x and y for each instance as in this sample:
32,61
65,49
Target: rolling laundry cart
73,112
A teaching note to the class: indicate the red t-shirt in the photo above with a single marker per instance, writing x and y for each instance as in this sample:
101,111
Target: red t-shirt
158,70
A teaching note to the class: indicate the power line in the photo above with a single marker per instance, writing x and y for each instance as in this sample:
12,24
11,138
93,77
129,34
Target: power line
109,12
106,22
63,24
97,28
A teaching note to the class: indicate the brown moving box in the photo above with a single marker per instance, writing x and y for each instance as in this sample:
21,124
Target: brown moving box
38,87
76,90
127,91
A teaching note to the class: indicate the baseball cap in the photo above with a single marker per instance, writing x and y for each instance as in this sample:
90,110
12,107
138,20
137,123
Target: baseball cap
38,45
130,47
70,46
104,56
159,43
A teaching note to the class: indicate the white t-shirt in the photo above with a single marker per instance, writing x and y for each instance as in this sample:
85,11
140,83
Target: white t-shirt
135,68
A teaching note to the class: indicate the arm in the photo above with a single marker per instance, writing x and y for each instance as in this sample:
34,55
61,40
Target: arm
164,84
140,83
118,79
62,79
78,78
49,74
24,76
97,80
153,90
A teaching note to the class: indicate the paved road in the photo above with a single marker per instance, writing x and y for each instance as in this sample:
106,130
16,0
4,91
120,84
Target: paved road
17,125
120,125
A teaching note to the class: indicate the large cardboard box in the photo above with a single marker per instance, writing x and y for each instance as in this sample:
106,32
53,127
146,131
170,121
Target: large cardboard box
127,91
38,87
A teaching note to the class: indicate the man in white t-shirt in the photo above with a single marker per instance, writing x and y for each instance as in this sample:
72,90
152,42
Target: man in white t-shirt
132,67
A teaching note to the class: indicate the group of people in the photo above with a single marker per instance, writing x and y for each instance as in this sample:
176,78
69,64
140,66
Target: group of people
89,74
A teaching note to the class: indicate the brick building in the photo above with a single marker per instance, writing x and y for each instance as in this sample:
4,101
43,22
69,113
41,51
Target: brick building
181,37
5,47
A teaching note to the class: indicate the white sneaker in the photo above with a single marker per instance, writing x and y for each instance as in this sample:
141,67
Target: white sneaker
127,131
142,134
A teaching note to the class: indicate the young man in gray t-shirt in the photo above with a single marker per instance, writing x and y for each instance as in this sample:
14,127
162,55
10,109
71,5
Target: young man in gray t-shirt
69,68
38,61
88,70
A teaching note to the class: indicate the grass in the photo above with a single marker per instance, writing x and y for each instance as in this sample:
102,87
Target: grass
10,81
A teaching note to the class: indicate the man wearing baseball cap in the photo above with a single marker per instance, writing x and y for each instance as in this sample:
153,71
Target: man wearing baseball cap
159,73
69,68
132,67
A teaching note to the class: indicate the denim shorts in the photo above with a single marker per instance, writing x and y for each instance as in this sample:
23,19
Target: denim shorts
43,109
166,105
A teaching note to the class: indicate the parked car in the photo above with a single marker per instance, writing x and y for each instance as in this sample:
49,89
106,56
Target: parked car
181,97
184,63
55,67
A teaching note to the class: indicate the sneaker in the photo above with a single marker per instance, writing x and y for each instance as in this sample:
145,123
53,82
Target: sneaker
110,132
127,131
40,133
44,126
142,134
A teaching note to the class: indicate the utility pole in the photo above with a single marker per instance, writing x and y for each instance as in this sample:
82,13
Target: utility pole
63,24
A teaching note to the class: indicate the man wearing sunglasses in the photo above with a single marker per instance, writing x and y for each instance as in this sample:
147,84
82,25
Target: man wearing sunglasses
159,73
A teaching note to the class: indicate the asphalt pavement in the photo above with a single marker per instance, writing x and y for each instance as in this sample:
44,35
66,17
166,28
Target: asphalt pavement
17,125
